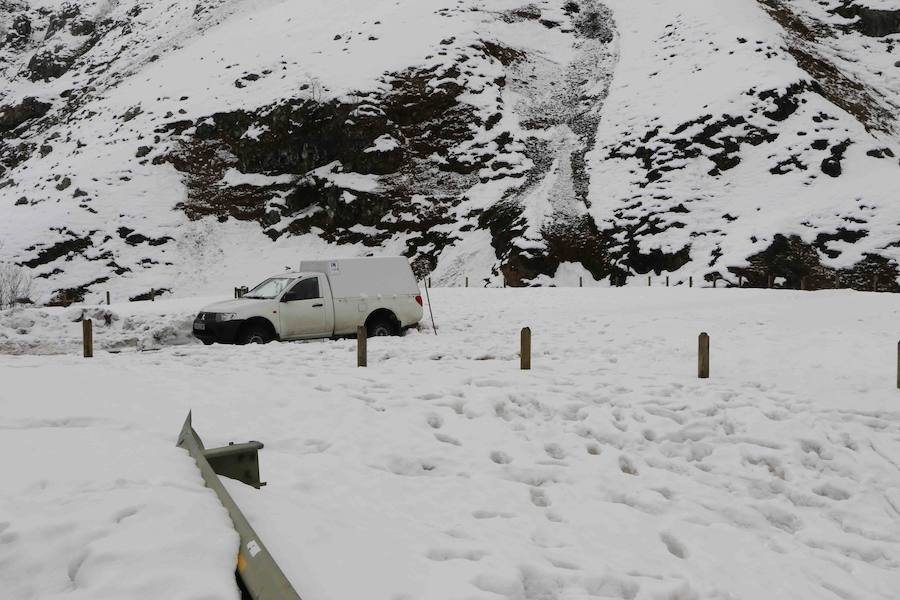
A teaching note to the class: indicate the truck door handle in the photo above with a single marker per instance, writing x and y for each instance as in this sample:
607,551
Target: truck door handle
317,305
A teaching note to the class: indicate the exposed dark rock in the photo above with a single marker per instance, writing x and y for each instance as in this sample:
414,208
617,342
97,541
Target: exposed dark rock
134,239
18,34
871,21
798,262
47,255
142,151
831,166
81,27
63,184
131,113
529,12
49,64
12,116
831,82
786,104
594,21
22,201
843,235
149,295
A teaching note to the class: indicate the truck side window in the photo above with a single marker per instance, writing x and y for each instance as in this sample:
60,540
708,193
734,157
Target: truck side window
308,289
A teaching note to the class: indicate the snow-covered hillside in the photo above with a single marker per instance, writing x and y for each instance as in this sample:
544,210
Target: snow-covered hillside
179,145
442,471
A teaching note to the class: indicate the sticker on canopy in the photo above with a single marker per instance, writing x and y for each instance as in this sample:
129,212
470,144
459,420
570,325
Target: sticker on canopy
334,268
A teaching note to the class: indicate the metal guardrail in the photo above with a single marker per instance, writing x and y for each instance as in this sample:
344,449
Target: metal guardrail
258,571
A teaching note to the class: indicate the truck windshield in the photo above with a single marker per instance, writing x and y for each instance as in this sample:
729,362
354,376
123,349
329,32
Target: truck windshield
269,288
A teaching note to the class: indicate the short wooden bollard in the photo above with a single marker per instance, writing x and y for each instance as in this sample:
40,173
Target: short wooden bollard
361,339
648,281
87,330
690,282
715,283
525,350
428,283
581,282
152,295
874,283
837,281
467,282
703,357
107,298
667,281
740,281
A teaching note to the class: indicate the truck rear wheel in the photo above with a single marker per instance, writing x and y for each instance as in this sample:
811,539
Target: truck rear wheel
381,326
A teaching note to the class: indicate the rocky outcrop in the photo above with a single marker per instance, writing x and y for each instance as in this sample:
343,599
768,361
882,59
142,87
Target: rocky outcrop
12,116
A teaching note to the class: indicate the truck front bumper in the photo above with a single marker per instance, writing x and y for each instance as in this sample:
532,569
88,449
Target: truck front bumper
223,332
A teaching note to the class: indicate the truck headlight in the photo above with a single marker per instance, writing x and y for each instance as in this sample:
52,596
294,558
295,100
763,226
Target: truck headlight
226,316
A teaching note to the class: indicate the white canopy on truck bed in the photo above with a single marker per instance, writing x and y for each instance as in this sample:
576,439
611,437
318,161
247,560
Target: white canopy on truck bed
372,276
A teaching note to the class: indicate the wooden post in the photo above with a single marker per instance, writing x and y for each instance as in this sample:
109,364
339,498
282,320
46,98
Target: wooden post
525,349
875,282
87,330
648,281
691,281
467,282
107,298
581,282
667,281
715,282
152,295
771,281
428,282
703,357
740,281
837,281
361,339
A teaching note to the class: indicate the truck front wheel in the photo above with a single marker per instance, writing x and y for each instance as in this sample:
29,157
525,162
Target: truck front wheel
254,334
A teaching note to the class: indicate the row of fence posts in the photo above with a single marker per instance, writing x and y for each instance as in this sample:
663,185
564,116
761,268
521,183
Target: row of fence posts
703,352
240,291
770,282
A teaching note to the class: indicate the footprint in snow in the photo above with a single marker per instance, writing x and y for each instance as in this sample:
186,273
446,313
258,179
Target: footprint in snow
555,451
441,437
829,490
501,458
539,498
443,554
674,545
627,465
491,514
434,421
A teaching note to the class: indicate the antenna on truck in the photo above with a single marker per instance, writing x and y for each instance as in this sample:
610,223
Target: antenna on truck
430,312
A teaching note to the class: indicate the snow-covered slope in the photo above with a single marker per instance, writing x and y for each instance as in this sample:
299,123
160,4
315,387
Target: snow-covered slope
179,145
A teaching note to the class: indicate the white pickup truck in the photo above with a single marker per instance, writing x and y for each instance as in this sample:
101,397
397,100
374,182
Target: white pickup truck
324,298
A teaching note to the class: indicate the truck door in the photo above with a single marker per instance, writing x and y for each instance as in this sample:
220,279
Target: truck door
306,310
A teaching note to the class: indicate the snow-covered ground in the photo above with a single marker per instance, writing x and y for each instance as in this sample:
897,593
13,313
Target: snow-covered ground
442,471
